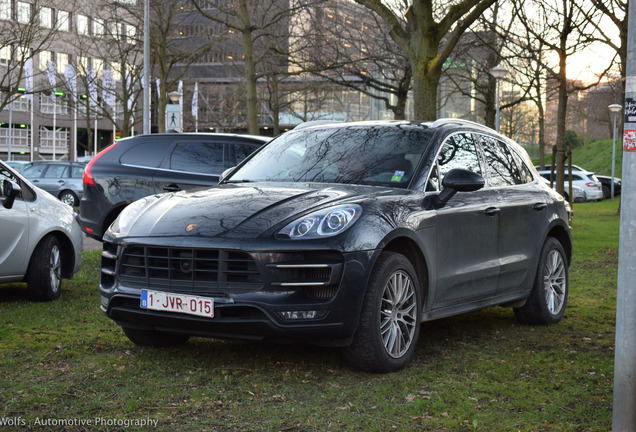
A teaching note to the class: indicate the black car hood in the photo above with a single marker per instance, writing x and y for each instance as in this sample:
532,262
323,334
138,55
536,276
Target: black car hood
240,211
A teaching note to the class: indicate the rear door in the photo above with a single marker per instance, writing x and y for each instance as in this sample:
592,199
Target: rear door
523,219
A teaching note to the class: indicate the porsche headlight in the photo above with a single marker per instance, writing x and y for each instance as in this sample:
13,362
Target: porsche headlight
323,223
128,215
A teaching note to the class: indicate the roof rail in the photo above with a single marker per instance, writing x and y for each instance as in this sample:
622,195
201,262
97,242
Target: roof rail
443,121
311,123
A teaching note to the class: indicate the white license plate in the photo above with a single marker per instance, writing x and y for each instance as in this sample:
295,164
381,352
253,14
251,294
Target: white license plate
182,303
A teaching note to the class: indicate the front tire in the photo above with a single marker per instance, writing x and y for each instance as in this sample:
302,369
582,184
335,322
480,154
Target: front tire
44,275
154,338
389,324
549,296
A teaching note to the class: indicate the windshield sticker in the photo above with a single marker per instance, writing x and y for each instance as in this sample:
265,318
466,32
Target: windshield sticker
397,176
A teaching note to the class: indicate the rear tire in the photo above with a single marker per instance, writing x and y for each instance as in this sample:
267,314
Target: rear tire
389,324
68,197
549,296
154,338
44,275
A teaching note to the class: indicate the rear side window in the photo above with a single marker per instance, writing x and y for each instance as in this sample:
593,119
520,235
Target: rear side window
56,171
146,154
77,172
198,157
236,152
503,164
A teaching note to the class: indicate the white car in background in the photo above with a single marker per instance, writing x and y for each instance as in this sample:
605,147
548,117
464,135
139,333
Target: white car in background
40,240
583,179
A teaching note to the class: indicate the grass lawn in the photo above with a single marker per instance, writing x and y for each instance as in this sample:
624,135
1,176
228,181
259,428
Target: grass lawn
66,366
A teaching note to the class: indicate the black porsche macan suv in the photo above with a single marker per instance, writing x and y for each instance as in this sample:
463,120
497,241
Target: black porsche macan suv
344,234
143,165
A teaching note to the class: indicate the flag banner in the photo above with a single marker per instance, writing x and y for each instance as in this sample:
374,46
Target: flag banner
108,91
50,72
28,78
180,90
158,88
130,88
195,100
91,75
69,74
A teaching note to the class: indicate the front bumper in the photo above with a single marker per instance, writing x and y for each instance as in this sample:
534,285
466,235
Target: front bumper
257,294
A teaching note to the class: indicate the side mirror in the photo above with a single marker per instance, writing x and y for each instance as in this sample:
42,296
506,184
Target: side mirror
10,190
459,180
225,173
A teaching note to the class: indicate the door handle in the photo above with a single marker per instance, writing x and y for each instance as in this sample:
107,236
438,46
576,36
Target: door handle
492,211
539,206
171,188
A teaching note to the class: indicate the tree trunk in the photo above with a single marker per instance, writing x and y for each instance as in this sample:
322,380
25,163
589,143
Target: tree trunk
250,70
425,85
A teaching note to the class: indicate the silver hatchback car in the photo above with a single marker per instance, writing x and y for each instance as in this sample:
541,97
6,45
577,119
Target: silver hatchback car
62,179
40,240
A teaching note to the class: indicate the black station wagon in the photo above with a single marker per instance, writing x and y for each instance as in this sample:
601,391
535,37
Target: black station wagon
143,165
344,234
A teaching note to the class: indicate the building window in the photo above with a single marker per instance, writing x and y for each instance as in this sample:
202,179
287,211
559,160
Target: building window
116,30
82,24
24,12
62,61
5,55
116,66
5,9
63,20
98,65
98,27
44,58
82,65
131,32
46,17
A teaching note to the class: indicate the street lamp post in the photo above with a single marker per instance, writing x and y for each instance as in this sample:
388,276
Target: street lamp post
498,73
614,109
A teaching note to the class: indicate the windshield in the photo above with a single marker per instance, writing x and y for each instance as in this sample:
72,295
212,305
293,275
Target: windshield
355,154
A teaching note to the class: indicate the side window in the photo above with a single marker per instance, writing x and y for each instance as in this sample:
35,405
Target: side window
236,152
458,151
55,171
501,163
146,154
34,171
198,157
77,172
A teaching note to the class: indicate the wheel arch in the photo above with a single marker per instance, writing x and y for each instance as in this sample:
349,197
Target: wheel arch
561,234
410,249
66,249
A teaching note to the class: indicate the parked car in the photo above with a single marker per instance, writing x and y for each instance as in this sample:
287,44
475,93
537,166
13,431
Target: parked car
135,167
347,234
606,181
578,193
40,240
61,179
583,179
17,165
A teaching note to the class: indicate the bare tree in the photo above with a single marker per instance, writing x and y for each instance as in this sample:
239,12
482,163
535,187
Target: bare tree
562,28
427,33
262,26
22,36
351,47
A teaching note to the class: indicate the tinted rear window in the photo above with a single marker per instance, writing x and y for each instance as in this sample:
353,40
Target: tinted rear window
146,154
